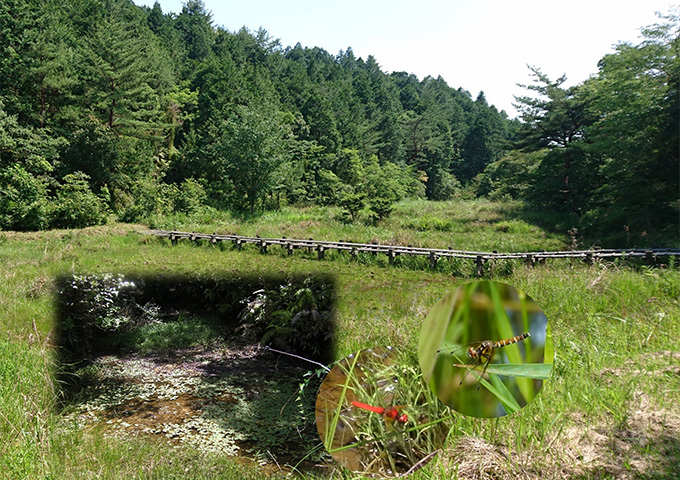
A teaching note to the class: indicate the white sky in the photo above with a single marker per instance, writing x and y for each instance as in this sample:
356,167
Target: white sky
474,44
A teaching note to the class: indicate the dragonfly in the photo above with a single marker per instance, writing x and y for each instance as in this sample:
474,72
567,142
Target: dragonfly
481,353
389,412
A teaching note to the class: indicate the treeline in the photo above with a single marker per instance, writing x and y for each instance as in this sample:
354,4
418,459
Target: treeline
106,107
110,107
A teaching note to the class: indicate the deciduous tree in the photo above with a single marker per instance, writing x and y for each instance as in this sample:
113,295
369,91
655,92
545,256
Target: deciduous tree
247,149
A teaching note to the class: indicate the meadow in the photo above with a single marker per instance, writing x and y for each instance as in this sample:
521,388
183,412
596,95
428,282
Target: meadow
610,409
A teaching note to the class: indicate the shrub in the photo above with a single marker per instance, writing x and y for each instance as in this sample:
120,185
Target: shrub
149,198
76,206
293,316
380,208
24,204
511,176
191,197
442,185
352,202
329,187
91,305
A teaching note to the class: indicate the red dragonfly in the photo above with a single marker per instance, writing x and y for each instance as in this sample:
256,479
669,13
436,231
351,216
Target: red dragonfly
390,412
481,353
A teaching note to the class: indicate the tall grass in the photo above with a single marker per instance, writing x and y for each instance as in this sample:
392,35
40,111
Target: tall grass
479,225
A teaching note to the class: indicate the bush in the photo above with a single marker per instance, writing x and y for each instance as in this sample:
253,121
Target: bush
24,204
94,150
149,198
509,177
352,202
91,306
293,316
191,197
329,187
428,223
442,185
380,208
75,205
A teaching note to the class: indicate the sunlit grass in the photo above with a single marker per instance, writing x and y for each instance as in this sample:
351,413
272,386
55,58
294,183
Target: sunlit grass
478,225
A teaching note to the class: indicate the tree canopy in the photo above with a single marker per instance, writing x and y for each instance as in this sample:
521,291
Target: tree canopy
604,153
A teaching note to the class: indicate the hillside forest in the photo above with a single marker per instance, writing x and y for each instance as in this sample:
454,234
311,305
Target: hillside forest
111,110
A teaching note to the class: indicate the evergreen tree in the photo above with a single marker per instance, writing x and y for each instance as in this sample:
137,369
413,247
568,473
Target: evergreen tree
556,120
27,158
124,86
483,142
17,38
319,116
195,26
123,98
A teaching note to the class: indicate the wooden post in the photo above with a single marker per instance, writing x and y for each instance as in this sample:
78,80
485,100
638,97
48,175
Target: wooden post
479,262
589,258
354,253
530,260
649,257
390,256
433,261
213,240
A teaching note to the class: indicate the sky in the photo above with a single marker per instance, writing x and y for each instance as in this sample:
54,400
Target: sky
479,45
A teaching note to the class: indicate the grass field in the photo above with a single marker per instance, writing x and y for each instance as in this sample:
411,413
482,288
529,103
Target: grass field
611,409
462,225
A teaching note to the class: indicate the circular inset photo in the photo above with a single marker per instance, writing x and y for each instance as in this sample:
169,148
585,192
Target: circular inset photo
376,416
486,349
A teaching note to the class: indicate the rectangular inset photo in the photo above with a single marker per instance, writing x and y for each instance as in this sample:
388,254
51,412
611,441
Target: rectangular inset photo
197,362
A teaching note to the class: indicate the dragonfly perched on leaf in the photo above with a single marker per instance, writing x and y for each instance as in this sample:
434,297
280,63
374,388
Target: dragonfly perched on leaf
480,353
392,413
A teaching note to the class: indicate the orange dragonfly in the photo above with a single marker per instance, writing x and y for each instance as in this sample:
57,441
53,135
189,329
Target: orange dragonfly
389,412
481,353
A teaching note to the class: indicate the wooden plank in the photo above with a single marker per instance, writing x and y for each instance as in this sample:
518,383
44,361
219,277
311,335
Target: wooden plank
650,255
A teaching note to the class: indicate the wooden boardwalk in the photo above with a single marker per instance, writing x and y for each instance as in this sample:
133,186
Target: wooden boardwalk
650,256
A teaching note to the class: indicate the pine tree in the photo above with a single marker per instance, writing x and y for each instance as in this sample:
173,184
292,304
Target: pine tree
124,87
483,142
195,25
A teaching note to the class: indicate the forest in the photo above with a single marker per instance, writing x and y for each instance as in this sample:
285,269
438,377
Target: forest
111,110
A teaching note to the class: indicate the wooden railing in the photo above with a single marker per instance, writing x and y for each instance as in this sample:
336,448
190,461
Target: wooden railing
650,256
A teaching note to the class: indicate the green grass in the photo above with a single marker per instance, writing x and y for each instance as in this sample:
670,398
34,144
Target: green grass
364,377
187,331
610,408
479,225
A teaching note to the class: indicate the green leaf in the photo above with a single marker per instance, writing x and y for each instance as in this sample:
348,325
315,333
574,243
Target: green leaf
539,371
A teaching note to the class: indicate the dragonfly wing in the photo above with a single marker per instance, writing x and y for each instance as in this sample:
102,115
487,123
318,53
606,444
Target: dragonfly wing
459,352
